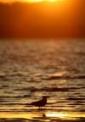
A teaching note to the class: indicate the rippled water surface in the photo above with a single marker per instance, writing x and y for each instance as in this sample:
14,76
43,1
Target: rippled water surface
31,69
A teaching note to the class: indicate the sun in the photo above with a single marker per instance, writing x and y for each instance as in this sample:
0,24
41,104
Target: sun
35,1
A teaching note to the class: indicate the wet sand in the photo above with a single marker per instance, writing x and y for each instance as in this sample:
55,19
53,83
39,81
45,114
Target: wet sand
42,116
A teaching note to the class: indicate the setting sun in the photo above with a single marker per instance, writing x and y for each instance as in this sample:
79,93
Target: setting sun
43,0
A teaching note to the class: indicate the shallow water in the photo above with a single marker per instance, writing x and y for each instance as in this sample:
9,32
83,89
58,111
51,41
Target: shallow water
31,69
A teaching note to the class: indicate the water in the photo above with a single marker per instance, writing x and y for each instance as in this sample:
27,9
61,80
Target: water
32,69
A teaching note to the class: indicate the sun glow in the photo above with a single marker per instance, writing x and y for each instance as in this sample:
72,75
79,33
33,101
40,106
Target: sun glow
35,1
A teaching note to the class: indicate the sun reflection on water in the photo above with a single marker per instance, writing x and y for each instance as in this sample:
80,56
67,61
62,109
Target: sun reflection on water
55,114
43,114
65,115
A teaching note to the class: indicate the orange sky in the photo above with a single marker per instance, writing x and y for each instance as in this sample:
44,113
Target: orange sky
16,0
29,0
66,19
8,0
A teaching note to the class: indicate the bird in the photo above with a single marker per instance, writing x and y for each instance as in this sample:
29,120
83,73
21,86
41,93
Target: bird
40,103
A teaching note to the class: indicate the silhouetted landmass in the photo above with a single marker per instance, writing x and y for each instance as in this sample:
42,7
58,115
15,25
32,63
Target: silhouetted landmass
41,20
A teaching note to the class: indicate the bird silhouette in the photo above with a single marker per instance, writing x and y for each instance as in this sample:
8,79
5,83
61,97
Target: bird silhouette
40,103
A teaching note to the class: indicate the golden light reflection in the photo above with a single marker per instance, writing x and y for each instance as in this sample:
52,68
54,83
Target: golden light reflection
24,115
55,114
65,115
49,114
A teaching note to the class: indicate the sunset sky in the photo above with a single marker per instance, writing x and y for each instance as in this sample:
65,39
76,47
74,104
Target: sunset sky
31,0
26,0
65,18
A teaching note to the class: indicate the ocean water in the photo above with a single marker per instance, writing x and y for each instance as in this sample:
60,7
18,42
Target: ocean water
30,69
